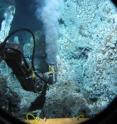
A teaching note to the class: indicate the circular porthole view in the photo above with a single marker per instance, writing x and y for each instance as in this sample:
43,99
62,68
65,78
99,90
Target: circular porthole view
58,59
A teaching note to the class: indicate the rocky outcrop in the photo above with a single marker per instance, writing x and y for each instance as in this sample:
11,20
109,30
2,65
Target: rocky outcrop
86,56
64,100
9,100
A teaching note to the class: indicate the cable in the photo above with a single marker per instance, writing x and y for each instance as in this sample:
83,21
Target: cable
20,30
33,52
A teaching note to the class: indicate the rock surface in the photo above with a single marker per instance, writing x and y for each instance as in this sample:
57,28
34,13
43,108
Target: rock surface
9,100
64,100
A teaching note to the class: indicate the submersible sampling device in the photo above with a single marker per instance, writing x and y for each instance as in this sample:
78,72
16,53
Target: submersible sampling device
29,79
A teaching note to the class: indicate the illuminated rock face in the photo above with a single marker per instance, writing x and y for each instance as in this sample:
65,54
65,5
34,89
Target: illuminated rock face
88,51
87,24
6,23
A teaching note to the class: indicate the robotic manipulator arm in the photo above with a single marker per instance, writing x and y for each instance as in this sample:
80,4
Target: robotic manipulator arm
12,54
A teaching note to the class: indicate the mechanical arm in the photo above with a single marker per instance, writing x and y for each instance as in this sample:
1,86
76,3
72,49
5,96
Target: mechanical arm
12,54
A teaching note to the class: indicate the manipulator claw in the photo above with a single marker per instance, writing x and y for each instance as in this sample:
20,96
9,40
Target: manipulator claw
51,75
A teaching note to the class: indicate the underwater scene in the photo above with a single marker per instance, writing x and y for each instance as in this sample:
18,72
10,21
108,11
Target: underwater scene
58,58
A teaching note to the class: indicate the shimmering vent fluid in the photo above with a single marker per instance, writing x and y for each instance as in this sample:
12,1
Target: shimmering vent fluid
80,38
